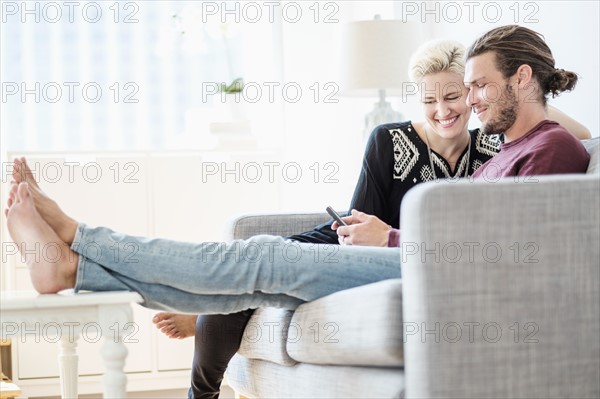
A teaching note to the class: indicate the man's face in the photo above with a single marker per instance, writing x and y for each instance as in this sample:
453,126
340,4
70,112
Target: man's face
490,94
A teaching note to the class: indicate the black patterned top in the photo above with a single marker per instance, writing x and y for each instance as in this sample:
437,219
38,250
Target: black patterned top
396,160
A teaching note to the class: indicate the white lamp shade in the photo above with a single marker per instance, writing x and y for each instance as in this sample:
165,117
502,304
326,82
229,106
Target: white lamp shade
375,56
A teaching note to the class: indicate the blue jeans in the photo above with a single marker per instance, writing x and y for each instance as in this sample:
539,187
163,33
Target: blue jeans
222,278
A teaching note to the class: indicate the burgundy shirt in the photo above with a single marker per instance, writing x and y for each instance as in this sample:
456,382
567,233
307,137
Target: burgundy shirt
547,149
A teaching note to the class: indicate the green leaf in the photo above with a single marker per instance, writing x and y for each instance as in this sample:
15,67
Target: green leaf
237,86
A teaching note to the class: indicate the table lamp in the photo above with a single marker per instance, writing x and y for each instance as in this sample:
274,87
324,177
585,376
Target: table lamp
375,57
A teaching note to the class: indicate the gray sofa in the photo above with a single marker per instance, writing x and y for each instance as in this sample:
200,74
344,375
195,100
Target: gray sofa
499,298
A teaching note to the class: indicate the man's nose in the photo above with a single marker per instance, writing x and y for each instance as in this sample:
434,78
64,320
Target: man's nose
471,98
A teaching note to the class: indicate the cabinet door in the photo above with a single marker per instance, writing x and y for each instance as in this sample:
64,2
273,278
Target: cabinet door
174,354
196,195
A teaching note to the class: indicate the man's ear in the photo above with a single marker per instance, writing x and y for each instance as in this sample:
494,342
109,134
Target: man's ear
524,75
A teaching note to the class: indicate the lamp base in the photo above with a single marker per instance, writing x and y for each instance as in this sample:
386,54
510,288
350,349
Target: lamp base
382,113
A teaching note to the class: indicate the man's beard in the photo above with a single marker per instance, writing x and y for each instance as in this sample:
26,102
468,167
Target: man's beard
506,110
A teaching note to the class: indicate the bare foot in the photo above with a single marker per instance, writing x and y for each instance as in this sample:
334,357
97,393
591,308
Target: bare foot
175,325
52,264
64,226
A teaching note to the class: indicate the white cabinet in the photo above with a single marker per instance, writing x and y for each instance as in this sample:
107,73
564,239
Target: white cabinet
183,196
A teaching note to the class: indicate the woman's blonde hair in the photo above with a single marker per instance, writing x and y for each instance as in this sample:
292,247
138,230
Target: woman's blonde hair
437,56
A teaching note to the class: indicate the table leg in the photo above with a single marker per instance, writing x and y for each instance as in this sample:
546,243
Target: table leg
68,362
114,353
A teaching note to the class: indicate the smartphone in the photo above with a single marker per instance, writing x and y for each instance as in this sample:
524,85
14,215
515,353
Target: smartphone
335,216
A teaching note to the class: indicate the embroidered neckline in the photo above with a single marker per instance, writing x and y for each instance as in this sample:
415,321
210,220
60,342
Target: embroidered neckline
445,165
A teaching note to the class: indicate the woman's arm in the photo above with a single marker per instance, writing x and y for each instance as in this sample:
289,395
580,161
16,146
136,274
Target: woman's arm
574,127
364,229
372,192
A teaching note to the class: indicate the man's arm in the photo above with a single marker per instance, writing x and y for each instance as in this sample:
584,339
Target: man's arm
554,152
574,127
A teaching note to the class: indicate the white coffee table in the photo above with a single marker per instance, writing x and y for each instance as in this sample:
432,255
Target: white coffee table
67,313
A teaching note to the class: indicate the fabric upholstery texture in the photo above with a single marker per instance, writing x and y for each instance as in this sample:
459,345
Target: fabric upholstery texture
266,335
262,379
504,291
283,224
593,147
359,326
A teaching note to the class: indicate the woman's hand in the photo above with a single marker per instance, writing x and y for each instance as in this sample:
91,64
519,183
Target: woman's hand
362,229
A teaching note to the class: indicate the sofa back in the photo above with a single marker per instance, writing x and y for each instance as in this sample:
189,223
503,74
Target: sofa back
501,292
279,224
593,148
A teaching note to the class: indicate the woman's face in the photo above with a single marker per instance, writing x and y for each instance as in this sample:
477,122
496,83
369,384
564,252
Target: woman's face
443,96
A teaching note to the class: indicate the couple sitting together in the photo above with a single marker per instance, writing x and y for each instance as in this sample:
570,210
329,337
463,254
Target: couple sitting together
505,78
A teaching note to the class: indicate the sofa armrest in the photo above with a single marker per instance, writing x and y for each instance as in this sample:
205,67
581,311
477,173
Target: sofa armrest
501,288
281,224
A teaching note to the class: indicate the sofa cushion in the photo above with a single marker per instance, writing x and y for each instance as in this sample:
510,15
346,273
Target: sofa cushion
593,147
361,326
265,336
261,379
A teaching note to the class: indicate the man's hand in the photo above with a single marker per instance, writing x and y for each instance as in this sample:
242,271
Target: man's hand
362,229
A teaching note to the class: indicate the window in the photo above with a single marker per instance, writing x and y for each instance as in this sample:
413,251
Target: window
118,75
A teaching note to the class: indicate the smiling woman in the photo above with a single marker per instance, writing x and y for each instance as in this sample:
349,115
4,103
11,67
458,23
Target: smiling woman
446,115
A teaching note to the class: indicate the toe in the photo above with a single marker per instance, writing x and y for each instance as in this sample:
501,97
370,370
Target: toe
13,192
22,192
172,334
167,330
27,173
17,173
160,317
166,326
